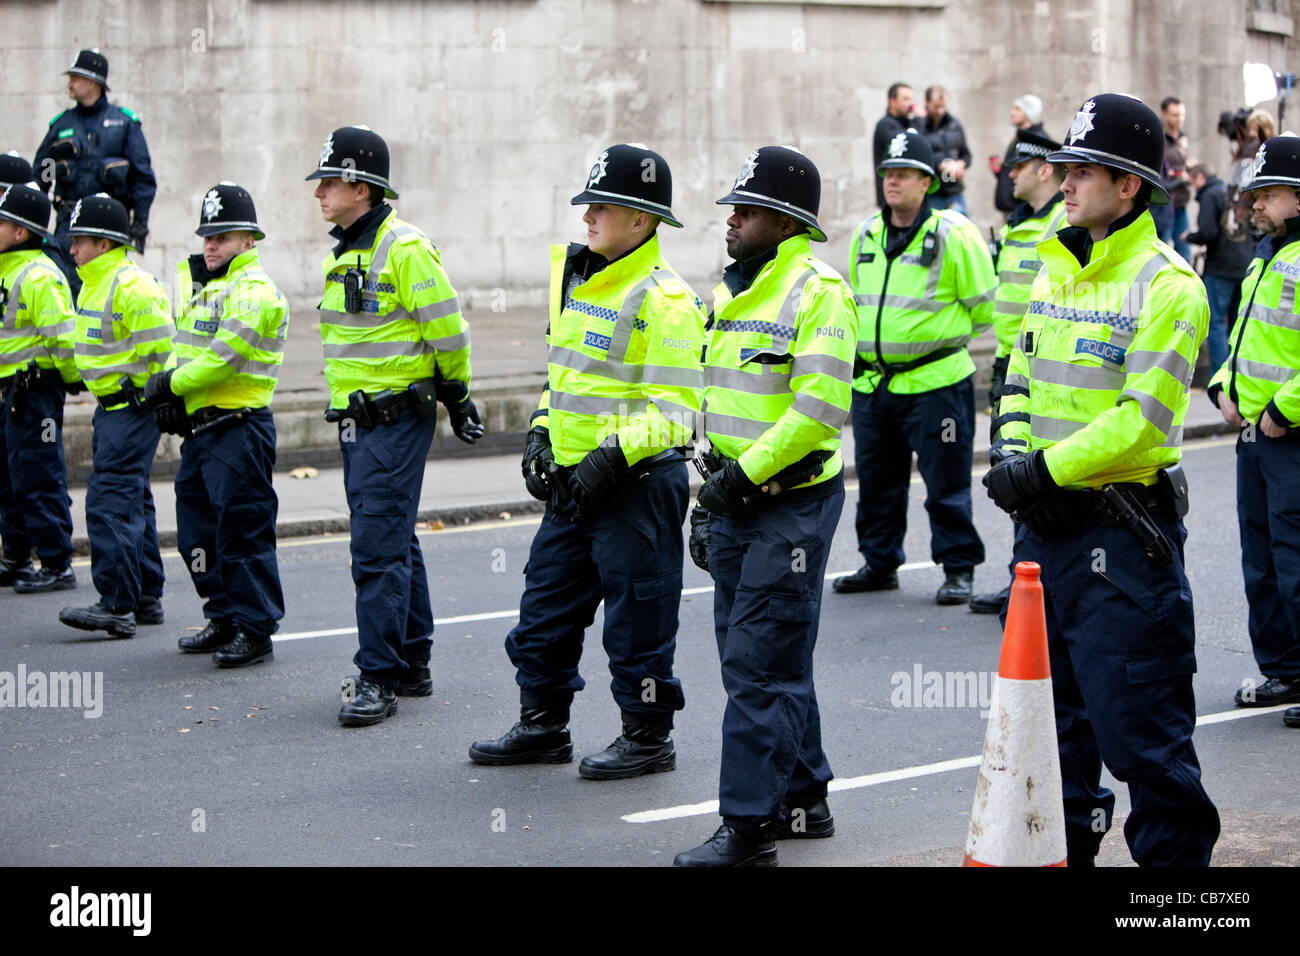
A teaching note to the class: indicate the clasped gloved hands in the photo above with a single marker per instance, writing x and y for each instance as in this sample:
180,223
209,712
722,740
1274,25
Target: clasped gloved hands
168,408
701,539
726,491
539,463
1022,486
596,476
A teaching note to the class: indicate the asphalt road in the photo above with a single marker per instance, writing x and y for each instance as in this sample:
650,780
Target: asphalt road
191,765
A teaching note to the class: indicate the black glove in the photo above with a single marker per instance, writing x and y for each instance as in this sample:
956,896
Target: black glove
171,418
74,388
1019,482
137,231
997,381
596,475
158,389
460,409
727,491
538,463
701,538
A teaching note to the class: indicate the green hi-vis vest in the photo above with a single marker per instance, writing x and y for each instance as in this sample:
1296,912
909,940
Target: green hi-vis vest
1101,366
909,309
1017,265
409,324
36,318
623,357
779,366
229,341
1264,365
124,324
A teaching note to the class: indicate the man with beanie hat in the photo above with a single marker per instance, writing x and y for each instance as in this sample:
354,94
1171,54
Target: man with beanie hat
1026,114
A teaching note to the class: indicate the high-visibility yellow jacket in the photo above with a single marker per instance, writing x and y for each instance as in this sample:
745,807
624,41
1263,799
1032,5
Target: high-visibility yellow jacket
124,324
623,356
1018,264
911,307
409,325
37,323
1263,369
1101,366
229,342
779,364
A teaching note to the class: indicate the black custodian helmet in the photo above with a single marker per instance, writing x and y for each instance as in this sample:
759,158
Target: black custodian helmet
1276,164
228,208
780,178
354,153
91,64
28,207
14,169
910,150
1119,131
100,216
632,175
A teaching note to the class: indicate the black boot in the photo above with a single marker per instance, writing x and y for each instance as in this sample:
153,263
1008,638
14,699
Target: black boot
416,682
11,572
804,820
540,736
990,602
98,617
216,635
956,588
729,847
643,747
47,579
371,704
245,649
149,611
866,578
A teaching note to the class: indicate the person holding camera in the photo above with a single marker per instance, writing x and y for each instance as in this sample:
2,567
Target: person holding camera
395,346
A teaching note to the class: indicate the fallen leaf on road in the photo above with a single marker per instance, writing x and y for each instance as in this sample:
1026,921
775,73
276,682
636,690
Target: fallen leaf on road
306,471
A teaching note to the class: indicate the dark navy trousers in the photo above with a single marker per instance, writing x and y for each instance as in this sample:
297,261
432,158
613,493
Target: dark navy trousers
1268,513
124,559
225,520
939,426
35,510
629,554
383,469
1122,644
768,565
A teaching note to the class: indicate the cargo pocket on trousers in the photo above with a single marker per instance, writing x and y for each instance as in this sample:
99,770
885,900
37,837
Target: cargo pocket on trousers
658,587
385,531
1159,665
782,650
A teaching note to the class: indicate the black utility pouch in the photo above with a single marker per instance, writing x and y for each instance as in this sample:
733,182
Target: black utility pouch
359,407
1174,499
424,397
385,406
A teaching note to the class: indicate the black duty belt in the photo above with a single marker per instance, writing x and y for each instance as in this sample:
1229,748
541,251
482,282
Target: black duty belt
888,370
212,418
130,395
383,408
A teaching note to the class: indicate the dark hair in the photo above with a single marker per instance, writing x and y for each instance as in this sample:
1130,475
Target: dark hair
934,90
1202,169
375,193
1169,101
1143,196
893,90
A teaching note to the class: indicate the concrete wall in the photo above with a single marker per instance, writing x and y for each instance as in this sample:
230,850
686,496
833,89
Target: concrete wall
494,110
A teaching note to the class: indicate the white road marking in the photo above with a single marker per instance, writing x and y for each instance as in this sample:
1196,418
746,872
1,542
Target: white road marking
908,773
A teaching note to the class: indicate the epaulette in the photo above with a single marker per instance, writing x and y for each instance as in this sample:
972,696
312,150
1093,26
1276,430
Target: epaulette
132,114
58,117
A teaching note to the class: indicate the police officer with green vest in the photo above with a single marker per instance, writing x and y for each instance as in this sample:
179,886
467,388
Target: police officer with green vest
216,392
607,454
1095,399
123,335
96,147
1258,390
36,370
924,285
1036,183
778,370
395,346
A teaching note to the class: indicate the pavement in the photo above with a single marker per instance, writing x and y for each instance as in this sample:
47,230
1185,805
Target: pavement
459,490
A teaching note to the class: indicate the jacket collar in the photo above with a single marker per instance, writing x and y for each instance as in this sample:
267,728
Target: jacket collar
1023,213
201,274
1270,246
1079,242
1128,235
773,262
103,265
591,267
740,275
361,234
94,107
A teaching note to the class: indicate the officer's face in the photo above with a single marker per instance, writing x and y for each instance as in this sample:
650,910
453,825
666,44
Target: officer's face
1092,199
86,248
755,229
905,188
1273,206
613,230
224,246
84,91
1023,176
342,203
11,234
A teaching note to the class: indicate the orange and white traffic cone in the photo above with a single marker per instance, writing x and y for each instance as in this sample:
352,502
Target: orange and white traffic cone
1019,818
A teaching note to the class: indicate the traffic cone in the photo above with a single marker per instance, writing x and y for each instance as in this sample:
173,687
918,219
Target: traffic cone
1019,818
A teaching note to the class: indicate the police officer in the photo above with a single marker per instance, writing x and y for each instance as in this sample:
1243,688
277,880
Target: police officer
36,369
924,285
1096,391
96,147
217,387
778,372
395,345
1036,184
123,335
606,452
1258,390
14,169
